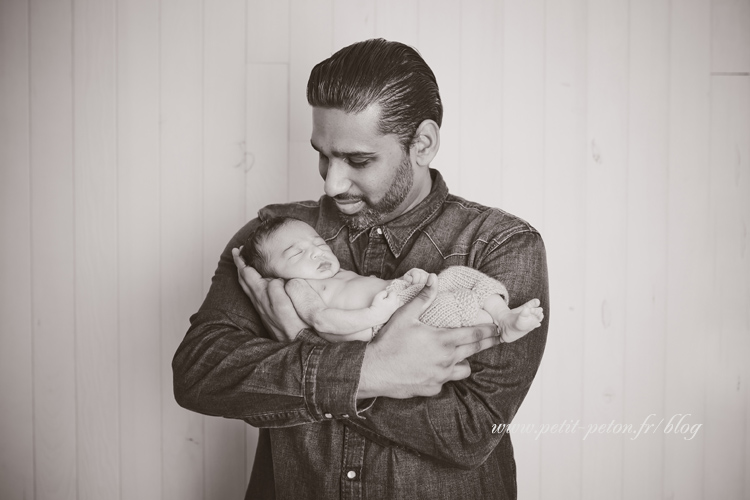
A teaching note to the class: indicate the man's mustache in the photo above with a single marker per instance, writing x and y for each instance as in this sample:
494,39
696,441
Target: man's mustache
344,197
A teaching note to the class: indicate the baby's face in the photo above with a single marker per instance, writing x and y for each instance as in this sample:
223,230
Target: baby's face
296,250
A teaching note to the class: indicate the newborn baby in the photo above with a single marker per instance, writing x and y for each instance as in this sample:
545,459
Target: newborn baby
353,307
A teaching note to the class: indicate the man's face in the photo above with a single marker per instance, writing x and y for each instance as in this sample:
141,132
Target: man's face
368,174
296,250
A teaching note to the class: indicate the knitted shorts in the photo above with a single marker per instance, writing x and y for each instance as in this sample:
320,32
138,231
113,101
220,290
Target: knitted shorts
461,293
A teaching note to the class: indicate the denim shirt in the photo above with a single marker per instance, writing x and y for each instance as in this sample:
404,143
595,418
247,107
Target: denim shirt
317,441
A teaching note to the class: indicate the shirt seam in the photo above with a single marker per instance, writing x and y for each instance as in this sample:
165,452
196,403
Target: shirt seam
309,379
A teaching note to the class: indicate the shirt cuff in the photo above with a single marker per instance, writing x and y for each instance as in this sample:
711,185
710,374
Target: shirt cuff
331,380
309,336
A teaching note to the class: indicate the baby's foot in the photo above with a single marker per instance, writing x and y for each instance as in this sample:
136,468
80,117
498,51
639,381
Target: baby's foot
521,320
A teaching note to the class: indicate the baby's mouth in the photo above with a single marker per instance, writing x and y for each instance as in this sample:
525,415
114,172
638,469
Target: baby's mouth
324,266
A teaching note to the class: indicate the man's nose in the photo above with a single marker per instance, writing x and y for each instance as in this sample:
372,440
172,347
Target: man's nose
336,179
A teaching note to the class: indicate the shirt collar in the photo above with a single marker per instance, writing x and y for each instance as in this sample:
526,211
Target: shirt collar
398,231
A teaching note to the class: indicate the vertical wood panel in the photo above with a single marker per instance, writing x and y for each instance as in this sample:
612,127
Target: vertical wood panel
267,31
181,244
398,20
646,244
727,355
96,249
564,236
730,36
16,383
352,21
522,181
138,234
223,204
743,275
53,250
523,110
605,250
480,131
311,38
439,44
267,125
688,275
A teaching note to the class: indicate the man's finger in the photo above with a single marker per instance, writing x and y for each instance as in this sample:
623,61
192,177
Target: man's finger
422,301
248,273
470,334
238,260
461,370
277,295
466,350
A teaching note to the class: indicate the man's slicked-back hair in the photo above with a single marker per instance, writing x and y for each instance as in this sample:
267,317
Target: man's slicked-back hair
377,71
253,251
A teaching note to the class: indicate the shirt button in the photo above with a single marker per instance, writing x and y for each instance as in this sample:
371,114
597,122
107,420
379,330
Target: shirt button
344,416
351,474
379,231
328,415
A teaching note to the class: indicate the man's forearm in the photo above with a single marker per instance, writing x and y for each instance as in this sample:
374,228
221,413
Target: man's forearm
454,426
222,369
228,365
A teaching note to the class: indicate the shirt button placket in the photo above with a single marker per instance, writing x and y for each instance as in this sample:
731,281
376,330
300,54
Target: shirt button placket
352,465
375,254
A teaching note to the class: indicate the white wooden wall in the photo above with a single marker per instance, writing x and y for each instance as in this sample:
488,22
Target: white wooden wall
137,135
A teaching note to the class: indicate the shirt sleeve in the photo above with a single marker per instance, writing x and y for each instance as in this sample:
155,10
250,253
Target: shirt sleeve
455,426
228,364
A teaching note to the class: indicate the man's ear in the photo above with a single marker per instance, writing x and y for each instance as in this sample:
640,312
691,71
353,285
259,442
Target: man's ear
426,142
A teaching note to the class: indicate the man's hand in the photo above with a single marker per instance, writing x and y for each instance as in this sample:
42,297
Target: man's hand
270,300
408,358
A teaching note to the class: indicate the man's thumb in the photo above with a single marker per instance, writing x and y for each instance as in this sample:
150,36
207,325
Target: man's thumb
423,300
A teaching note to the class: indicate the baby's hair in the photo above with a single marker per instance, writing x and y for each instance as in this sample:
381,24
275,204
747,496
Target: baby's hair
253,252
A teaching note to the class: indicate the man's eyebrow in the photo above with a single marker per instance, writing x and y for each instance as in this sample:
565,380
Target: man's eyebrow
344,154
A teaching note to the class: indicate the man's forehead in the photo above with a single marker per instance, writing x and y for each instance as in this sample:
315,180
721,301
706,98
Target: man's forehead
339,131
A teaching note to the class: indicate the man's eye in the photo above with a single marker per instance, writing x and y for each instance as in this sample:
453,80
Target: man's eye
358,163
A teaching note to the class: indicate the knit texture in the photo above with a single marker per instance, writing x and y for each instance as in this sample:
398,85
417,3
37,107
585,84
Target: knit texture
461,293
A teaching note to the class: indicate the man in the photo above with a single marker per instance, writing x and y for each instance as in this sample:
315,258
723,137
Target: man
410,414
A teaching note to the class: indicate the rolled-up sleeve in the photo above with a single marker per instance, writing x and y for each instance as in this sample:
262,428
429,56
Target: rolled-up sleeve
227,365
455,426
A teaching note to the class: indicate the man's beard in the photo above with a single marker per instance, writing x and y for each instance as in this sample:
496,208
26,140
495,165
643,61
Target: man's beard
372,214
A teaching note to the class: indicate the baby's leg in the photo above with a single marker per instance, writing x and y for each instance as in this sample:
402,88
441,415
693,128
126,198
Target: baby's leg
515,323
482,317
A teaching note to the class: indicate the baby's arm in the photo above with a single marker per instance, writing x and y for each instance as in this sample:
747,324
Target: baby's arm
316,313
513,323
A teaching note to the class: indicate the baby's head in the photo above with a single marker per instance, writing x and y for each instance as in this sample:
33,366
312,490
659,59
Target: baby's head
283,247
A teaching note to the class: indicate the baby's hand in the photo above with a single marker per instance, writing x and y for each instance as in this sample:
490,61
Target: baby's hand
416,276
384,304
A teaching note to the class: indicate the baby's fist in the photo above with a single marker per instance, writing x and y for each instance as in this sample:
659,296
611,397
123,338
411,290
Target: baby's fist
386,303
416,276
